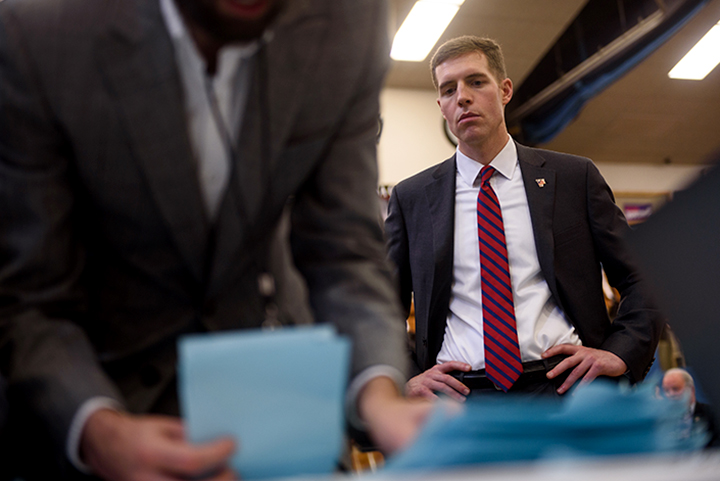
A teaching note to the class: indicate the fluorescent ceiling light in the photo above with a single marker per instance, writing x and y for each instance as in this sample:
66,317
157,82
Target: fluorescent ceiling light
422,28
701,59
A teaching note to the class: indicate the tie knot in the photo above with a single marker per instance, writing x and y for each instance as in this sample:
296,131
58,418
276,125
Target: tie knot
485,174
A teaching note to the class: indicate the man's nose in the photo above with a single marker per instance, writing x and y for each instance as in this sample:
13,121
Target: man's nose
464,96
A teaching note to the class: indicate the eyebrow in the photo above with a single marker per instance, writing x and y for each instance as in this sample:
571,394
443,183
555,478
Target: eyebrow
472,76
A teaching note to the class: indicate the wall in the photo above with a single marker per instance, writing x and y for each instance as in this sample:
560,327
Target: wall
413,139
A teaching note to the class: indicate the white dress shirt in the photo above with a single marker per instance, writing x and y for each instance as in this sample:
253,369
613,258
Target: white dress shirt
540,323
213,134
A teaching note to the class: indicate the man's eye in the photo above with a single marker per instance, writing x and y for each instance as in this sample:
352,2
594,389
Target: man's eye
448,91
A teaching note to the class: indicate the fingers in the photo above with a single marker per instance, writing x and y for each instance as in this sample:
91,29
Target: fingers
182,458
436,380
563,366
576,373
452,366
451,387
123,447
588,364
415,390
567,349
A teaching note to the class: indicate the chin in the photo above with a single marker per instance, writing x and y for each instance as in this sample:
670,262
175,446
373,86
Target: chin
233,20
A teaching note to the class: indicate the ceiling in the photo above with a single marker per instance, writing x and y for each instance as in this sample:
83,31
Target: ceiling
644,117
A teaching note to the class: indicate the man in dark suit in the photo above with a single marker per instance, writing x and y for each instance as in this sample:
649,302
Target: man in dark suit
561,225
167,167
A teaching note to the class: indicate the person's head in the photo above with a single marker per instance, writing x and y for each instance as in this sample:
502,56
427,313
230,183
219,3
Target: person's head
457,47
230,21
472,94
677,382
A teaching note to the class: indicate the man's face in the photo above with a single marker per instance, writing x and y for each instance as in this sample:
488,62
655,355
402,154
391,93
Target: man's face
674,387
232,20
472,100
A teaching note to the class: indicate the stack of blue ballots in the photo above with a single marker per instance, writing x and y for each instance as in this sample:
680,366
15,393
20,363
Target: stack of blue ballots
280,394
598,419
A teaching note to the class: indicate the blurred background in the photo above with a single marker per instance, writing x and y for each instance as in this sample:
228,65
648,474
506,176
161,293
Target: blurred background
590,78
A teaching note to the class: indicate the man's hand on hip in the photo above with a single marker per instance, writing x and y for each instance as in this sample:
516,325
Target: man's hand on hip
588,363
437,379
120,446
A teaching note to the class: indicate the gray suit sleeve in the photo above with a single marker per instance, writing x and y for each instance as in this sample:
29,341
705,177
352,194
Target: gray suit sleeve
44,354
336,232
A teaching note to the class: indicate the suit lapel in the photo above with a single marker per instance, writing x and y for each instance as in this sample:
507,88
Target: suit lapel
440,195
540,189
138,63
274,98
275,93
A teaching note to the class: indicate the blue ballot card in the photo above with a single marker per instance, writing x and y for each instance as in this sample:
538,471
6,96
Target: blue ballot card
598,419
280,394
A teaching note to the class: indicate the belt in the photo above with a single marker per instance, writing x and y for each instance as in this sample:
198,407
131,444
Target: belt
533,372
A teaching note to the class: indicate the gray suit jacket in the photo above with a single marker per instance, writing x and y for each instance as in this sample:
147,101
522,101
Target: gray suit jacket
577,228
106,253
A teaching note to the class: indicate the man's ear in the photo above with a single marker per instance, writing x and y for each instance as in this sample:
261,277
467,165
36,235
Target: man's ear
436,100
507,89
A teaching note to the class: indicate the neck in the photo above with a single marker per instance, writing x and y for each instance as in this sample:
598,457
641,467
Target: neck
485,151
207,44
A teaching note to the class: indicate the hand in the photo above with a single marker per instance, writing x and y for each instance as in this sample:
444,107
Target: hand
588,362
437,379
393,422
120,446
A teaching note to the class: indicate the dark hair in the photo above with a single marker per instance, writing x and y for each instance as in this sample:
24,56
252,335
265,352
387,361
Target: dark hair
460,46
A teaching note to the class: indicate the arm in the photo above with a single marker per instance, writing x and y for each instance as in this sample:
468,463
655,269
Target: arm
436,379
336,236
632,337
44,351
338,243
636,329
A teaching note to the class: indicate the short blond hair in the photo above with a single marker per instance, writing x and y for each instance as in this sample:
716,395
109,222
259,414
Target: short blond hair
460,46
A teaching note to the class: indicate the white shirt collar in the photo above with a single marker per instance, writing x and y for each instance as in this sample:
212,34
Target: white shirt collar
173,20
504,162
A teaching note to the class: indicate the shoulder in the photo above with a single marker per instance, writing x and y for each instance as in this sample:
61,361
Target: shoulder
66,16
551,158
429,175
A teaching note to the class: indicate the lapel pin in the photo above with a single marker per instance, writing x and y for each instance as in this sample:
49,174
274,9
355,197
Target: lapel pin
540,182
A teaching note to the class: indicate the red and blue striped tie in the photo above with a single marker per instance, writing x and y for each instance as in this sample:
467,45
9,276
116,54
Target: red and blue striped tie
502,354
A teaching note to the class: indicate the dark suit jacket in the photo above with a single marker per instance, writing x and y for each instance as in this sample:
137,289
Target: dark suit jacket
703,414
577,227
106,255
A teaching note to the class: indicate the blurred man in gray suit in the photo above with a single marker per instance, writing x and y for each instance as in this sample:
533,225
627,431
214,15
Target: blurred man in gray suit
152,154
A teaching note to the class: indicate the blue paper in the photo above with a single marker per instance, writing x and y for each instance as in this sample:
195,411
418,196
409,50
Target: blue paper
598,419
279,393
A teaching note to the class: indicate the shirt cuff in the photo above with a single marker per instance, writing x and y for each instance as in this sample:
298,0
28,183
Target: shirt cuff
360,381
87,409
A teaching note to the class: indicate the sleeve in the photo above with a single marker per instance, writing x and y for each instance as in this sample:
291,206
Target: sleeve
336,233
635,331
398,249
44,354
399,256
